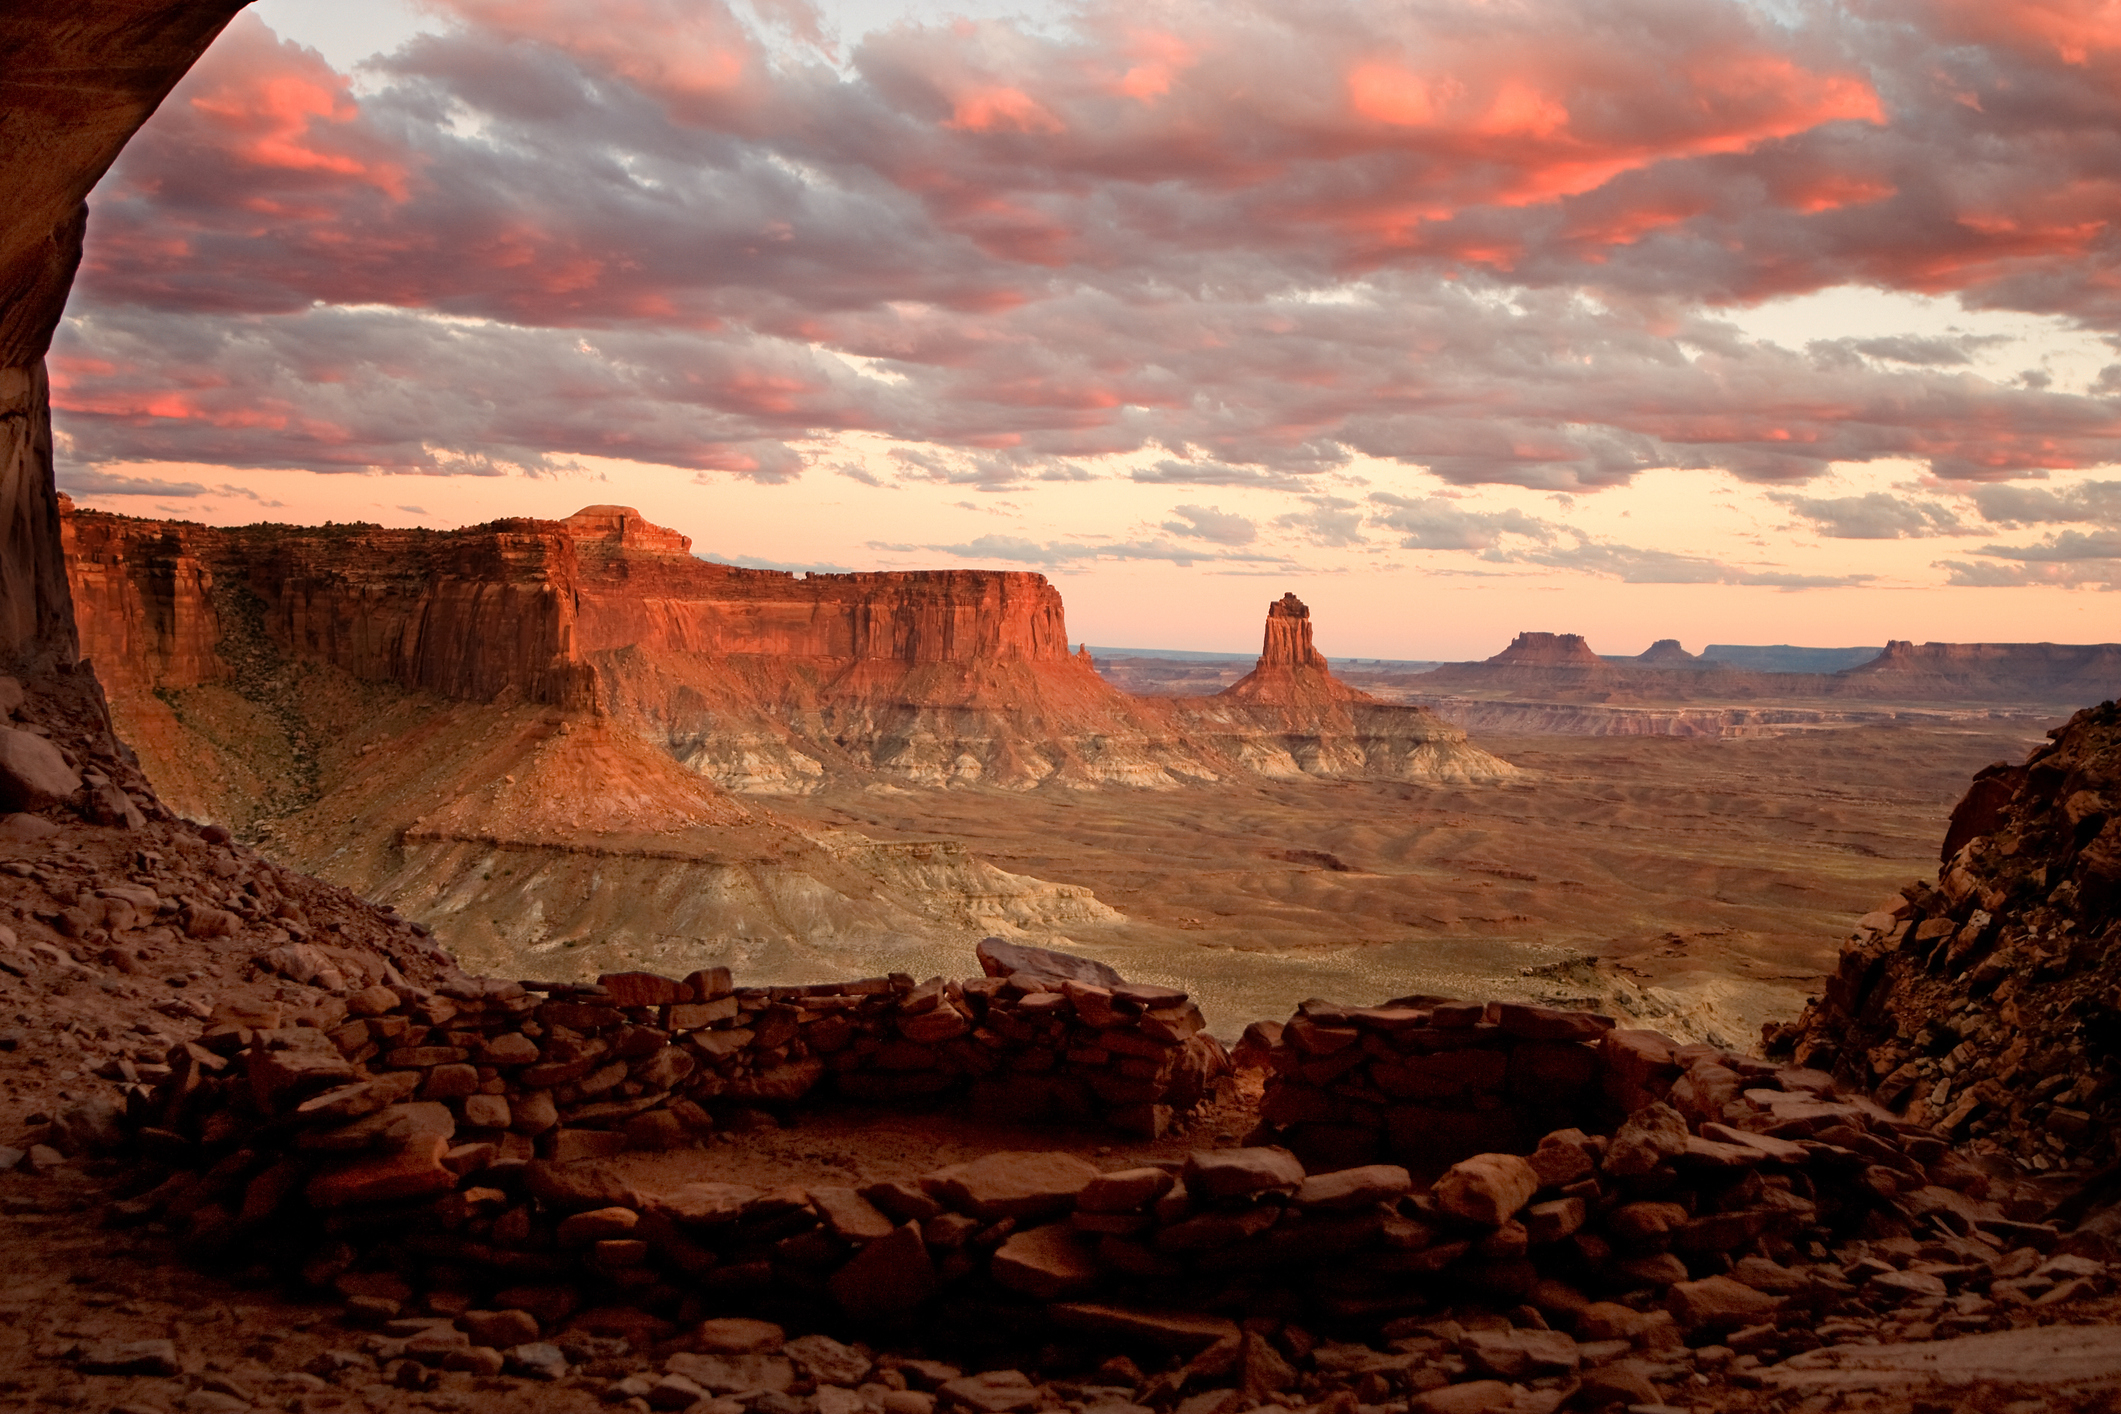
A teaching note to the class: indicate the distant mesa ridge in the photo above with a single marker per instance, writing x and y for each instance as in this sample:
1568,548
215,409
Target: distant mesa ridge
1562,666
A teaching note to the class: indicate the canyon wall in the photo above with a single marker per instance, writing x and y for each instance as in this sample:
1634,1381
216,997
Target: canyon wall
763,681
78,80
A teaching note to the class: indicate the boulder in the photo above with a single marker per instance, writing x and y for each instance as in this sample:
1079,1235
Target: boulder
1000,958
33,774
1652,1136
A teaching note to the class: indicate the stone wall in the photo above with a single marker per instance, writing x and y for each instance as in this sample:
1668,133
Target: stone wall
563,1071
1427,1082
450,1152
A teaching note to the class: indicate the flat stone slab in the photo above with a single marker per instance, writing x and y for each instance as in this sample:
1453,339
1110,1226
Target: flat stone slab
2054,1357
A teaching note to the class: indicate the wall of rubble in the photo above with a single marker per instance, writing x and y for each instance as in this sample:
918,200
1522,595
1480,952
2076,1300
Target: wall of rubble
508,1070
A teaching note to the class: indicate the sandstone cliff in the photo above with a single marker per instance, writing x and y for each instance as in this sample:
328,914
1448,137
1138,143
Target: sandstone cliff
762,681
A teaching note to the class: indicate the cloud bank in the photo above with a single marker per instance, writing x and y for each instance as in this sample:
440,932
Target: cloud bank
1240,245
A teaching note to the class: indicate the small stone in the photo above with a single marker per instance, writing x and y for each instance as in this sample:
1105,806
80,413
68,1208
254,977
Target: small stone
596,1225
538,1361
1050,1263
501,1329
1719,1305
734,1374
1472,1397
909,1401
481,1360
1487,1188
994,1392
674,1392
826,1361
1354,1188
851,1217
1519,1355
738,1335
129,1357
889,1278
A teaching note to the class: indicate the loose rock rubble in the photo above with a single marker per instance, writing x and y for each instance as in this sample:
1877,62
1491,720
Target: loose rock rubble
1986,1004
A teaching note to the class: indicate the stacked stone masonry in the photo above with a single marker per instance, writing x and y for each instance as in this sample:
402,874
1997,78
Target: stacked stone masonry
446,1161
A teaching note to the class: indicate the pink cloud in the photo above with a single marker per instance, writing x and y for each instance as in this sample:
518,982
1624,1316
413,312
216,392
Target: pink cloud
1063,244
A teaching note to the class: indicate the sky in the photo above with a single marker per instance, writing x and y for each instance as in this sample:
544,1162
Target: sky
1737,321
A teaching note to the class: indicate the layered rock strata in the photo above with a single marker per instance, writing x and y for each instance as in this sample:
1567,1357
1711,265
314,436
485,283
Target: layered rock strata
1984,1002
762,681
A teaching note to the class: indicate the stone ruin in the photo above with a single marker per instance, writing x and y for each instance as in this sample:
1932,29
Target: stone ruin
1447,1206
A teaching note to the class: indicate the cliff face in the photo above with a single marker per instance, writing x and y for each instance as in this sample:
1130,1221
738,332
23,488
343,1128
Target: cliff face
78,80
760,680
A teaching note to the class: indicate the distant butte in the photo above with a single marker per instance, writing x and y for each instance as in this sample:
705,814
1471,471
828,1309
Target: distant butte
1666,653
1291,670
1547,650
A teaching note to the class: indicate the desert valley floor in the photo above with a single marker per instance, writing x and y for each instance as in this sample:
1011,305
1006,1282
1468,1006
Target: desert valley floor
1725,869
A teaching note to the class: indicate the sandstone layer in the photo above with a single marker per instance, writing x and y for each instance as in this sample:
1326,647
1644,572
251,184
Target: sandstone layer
762,681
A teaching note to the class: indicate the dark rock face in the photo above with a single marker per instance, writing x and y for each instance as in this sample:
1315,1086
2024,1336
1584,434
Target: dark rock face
77,79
